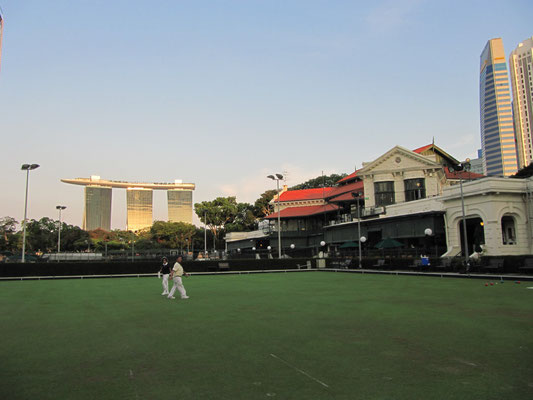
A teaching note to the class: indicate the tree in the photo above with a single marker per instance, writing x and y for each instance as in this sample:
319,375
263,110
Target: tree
217,213
172,234
41,235
8,228
525,172
244,220
262,206
319,181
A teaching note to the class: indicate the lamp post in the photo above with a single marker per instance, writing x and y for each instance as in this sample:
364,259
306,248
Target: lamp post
357,196
464,166
27,168
277,178
60,208
362,240
205,233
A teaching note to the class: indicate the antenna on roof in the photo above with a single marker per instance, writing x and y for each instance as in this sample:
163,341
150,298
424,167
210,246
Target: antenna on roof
433,142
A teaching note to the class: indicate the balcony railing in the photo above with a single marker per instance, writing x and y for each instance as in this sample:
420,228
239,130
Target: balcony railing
365,212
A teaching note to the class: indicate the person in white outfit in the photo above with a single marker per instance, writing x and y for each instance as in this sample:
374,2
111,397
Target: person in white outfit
165,271
176,274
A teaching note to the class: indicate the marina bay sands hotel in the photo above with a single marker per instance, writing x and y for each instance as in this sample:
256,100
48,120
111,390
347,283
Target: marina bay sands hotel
139,200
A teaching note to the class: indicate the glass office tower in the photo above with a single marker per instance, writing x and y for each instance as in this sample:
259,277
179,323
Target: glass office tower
139,204
521,67
179,205
497,132
97,213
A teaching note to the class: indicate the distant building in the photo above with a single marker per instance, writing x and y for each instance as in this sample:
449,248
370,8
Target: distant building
497,132
521,67
139,202
179,205
97,211
476,164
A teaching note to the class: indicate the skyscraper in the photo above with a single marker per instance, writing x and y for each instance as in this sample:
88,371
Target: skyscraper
179,205
520,64
139,203
497,132
97,212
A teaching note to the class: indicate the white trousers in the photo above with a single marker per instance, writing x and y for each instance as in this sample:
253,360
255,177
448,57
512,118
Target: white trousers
178,284
164,282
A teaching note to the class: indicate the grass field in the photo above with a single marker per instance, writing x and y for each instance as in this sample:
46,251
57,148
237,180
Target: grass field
309,335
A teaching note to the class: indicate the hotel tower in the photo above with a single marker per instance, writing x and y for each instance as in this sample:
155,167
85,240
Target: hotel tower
520,64
139,202
497,132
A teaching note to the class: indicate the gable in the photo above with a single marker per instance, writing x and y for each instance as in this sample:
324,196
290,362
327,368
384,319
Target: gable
399,159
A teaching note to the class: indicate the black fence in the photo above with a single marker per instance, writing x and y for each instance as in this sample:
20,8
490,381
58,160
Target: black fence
499,265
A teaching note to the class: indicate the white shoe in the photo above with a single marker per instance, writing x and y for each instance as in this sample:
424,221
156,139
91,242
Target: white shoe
164,294
185,297
171,297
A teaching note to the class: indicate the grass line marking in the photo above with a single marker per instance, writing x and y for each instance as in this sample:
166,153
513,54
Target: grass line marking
299,370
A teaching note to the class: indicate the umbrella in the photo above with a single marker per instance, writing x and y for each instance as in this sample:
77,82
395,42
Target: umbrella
348,245
388,244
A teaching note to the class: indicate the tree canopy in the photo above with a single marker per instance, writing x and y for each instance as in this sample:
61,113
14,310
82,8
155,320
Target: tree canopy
319,181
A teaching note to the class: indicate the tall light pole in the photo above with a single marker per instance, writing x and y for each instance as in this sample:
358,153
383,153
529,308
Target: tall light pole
277,178
60,208
205,233
357,196
464,166
27,168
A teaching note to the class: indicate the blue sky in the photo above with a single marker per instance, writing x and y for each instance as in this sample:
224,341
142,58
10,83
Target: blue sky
223,93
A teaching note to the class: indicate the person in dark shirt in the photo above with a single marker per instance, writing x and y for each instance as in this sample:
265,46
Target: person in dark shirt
165,271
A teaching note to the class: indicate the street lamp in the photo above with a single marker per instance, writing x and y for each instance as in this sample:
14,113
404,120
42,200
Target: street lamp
277,178
205,233
362,240
464,166
27,168
60,208
357,196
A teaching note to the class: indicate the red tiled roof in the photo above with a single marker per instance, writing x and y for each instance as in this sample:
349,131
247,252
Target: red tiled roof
422,149
305,211
305,194
349,188
342,197
466,175
353,175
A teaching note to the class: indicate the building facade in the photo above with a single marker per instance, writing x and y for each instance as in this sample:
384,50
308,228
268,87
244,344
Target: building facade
139,202
521,67
496,116
179,205
97,210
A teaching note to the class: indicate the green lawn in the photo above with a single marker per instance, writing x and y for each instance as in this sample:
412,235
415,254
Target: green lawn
309,335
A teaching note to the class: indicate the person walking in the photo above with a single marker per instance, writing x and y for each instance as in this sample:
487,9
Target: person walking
165,271
176,274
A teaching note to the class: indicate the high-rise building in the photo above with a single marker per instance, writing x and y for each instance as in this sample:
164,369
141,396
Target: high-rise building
179,205
521,66
139,200
497,133
139,203
97,213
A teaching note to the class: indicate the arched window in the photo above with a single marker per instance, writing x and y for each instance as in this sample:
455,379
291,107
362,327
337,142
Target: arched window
508,230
